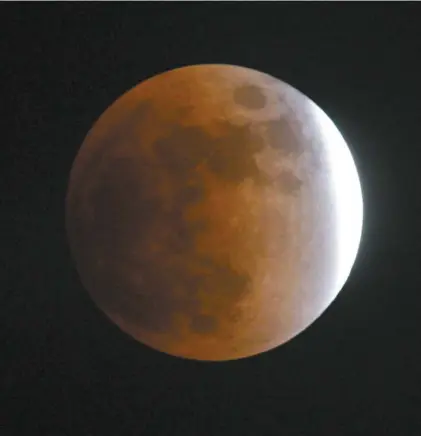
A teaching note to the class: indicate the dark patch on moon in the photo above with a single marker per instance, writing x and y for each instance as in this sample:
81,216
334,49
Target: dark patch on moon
183,149
250,96
203,324
233,158
289,182
223,279
193,192
185,111
230,155
282,137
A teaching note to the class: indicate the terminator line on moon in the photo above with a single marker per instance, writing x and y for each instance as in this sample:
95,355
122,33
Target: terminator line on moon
213,212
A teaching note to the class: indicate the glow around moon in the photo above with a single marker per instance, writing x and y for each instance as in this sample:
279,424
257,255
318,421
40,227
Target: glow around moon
214,212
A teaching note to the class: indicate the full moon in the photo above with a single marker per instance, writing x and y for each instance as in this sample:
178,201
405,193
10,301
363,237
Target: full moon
213,212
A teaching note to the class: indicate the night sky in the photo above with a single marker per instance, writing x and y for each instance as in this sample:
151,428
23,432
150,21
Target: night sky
64,368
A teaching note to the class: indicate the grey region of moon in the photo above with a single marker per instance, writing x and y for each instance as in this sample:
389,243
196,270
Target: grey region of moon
213,212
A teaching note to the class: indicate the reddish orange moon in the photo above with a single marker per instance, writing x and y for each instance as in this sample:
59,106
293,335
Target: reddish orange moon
214,212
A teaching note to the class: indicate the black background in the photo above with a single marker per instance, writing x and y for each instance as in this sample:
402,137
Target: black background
64,368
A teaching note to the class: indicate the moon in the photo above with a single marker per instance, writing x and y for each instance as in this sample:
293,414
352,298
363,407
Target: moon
213,212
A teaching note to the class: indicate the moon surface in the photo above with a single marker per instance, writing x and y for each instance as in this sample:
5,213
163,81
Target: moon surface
213,212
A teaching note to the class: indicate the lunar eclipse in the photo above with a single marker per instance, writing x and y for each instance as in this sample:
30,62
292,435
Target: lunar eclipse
214,212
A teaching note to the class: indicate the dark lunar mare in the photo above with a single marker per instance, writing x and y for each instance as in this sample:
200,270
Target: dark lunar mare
129,217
